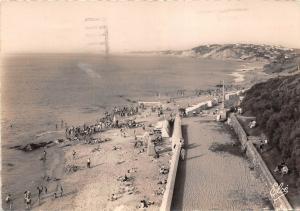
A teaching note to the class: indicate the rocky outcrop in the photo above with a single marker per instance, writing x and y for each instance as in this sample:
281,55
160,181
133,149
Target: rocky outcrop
33,146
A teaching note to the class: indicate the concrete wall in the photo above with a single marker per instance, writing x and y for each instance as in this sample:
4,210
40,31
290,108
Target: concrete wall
257,161
199,107
176,138
239,130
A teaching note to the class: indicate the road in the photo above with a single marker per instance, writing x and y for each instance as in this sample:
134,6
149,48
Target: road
215,175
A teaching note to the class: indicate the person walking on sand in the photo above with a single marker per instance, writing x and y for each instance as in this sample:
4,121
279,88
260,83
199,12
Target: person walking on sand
61,191
74,154
88,164
8,201
56,191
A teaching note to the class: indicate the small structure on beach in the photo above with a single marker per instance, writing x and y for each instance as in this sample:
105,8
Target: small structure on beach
164,128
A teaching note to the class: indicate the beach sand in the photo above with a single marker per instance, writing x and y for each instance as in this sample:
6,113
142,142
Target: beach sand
92,187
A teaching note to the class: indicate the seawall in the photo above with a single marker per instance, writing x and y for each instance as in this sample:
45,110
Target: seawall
198,107
176,147
281,203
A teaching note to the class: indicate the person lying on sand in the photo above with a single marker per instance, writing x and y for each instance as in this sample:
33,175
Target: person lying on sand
113,197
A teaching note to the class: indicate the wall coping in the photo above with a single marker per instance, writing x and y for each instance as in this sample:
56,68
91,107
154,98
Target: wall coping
176,148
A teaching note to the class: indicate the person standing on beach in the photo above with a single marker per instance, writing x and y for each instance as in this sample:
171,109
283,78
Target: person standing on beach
27,199
45,188
134,132
25,196
61,191
8,201
44,155
40,190
182,153
56,190
74,154
88,164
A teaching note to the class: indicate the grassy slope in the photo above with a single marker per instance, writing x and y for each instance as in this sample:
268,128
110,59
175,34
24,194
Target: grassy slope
276,105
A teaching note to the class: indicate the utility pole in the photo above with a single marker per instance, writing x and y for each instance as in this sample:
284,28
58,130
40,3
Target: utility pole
223,95
106,41
97,34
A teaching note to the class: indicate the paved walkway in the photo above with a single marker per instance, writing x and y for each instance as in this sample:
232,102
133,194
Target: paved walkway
215,179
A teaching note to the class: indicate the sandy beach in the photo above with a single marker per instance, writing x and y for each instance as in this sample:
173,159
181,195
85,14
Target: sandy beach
93,187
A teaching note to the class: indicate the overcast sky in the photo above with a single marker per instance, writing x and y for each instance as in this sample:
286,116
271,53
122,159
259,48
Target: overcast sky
137,26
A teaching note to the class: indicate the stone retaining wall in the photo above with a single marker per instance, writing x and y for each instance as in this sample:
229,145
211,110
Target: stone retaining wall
257,161
239,130
176,147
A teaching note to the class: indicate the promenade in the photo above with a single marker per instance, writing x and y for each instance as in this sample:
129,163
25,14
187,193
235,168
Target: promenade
214,174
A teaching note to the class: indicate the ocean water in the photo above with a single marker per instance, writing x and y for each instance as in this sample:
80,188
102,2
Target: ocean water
40,90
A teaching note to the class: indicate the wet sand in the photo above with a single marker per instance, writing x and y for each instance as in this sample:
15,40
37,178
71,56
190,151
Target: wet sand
212,179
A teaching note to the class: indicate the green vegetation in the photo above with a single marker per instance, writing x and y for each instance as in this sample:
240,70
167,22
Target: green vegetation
276,105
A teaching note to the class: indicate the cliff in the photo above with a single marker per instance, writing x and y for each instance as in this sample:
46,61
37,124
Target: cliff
277,59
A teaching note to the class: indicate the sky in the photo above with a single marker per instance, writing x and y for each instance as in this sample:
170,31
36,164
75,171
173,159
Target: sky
60,26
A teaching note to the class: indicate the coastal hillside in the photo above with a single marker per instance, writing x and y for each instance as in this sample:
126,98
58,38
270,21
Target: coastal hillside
276,59
276,105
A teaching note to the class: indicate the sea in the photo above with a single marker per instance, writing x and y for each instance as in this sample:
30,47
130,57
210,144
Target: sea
43,91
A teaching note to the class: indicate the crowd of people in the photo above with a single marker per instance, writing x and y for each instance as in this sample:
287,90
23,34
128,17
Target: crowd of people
108,121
